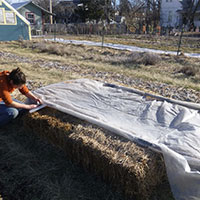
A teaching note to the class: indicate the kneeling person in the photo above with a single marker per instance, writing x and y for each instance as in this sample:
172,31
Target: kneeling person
10,108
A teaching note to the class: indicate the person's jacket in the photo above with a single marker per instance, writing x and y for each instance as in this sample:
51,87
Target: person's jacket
6,88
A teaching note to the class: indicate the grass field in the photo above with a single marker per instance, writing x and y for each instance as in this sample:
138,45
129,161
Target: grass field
33,169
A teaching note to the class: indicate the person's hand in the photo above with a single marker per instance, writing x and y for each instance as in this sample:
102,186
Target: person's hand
38,101
33,97
31,106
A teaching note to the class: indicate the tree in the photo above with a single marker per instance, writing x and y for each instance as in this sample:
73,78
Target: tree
46,3
124,7
95,10
152,17
189,8
140,13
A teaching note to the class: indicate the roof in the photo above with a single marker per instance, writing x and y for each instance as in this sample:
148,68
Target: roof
24,32
185,11
16,12
17,6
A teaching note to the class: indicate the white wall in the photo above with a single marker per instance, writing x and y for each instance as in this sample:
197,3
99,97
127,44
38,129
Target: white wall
197,20
168,14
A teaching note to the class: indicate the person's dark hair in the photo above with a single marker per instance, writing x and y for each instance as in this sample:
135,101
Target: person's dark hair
17,76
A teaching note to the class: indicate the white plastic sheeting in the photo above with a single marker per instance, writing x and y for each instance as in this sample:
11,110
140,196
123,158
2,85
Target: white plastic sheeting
122,47
153,121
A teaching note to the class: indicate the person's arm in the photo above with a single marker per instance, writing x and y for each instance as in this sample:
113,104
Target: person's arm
33,97
23,106
25,91
9,102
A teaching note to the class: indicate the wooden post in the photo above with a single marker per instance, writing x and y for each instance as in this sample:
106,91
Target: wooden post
50,9
179,43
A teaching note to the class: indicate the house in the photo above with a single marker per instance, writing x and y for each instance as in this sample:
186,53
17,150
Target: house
65,11
13,26
172,14
34,14
169,17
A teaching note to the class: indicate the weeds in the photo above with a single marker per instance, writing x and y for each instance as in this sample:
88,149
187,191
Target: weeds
136,59
133,58
188,70
151,59
87,61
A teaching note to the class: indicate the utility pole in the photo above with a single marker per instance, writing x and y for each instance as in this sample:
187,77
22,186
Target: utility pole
50,9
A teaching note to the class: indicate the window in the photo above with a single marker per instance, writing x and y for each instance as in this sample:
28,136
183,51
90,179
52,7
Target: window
10,17
30,17
170,17
2,16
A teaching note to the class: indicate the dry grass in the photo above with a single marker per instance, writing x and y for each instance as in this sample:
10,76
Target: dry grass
150,67
129,168
31,169
189,44
45,63
189,71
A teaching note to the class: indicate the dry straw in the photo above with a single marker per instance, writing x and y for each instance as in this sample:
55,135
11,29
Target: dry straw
135,170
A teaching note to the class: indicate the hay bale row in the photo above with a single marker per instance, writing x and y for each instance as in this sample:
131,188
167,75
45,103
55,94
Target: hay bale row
134,170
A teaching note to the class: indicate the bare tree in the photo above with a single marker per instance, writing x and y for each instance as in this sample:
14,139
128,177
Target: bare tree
141,13
46,3
133,11
124,7
189,10
114,4
152,14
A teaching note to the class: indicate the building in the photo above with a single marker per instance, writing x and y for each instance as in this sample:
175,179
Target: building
13,26
172,14
35,14
169,17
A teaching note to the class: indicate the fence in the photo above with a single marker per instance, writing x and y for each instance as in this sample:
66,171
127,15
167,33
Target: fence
170,38
110,29
96,29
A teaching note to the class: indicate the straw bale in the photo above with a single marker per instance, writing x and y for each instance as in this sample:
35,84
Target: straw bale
133,169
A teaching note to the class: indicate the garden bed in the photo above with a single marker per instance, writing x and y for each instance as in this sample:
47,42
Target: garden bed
130,168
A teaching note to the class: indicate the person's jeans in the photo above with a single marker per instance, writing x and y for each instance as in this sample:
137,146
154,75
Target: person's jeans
8,113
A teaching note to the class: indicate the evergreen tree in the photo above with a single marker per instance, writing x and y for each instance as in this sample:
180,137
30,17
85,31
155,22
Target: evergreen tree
95,10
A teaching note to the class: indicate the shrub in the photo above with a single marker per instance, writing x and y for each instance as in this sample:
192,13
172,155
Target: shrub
188,70
143,58
150,59
134,57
